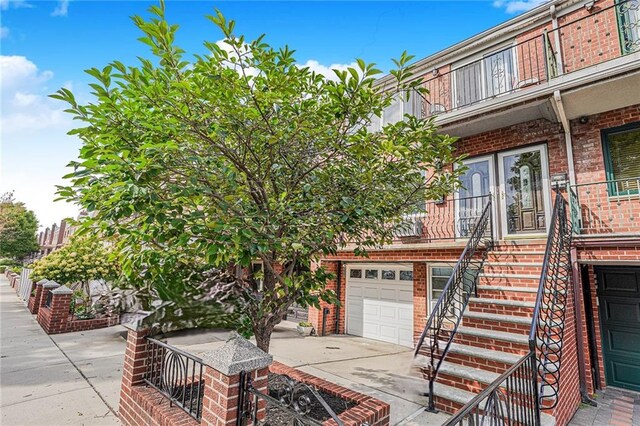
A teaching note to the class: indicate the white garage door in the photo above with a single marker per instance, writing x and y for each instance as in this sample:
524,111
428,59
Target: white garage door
380,303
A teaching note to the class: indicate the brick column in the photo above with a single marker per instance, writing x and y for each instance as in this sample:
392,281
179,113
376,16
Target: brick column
55,321
134,369
326,310
46,288
222,380
35,302
419,299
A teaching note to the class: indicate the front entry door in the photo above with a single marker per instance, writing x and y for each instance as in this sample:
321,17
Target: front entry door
525,199
477,185
619,300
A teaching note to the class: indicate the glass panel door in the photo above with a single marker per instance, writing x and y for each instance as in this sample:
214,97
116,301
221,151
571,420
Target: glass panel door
524,196
477,185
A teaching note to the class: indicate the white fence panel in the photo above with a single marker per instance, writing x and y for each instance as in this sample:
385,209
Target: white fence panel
25,284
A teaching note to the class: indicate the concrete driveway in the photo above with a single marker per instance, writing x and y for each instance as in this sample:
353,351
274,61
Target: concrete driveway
375,368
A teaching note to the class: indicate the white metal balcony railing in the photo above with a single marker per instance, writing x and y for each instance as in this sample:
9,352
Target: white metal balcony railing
603,35
608,207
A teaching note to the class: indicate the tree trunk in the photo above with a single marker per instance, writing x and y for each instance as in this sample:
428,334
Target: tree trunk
262,333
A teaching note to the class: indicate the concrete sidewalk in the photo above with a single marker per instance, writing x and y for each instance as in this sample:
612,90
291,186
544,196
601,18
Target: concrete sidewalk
40,379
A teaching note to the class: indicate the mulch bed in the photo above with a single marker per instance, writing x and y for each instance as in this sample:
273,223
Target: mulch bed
279,416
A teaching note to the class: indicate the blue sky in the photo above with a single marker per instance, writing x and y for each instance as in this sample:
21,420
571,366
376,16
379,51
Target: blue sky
46,45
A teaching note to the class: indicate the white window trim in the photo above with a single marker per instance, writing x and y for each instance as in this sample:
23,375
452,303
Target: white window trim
480,56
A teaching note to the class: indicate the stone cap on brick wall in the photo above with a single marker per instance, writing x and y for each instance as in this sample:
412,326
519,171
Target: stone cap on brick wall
237,355
51,284
136,321
62,290
42,281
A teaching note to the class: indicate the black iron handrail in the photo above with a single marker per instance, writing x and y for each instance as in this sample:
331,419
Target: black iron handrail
512,399
547,325
176,374
518,395
454,299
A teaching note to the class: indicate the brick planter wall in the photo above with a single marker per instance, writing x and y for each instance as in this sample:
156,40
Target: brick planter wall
368,409
55,319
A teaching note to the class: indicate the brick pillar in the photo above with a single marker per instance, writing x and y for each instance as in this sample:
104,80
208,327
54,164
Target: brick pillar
326,310
35,302
222,380
46,288
419,299
53,318
134,368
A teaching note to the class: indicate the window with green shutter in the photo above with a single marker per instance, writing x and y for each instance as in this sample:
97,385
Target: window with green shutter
621,147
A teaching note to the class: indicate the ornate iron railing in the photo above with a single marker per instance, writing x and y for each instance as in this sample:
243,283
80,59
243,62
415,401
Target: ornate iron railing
445,317
512,399
506,71
449,219
177,375
519,394
295,398
547,327
628,13
608,207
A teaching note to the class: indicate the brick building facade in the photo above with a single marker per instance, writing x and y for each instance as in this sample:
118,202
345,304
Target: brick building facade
548,99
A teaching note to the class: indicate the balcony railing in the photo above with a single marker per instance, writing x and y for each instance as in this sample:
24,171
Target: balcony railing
450,219
506,71
609,207
599,36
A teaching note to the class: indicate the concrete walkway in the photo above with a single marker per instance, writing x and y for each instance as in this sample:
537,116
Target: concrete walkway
41,382
616,407
379,369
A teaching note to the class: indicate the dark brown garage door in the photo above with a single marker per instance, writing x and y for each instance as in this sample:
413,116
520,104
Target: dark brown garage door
619,297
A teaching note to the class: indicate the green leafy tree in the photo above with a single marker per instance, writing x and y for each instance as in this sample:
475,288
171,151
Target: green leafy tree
202,165
18,227
75,264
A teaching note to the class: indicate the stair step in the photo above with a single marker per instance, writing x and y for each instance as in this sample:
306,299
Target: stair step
470,373
497,317
503,302
522,264
473,351
508,288
462,397
497,335
502,275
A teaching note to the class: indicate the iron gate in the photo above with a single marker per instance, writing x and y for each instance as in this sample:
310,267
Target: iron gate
283,394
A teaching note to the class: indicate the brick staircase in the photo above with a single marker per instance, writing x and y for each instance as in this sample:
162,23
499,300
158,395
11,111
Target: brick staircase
494,331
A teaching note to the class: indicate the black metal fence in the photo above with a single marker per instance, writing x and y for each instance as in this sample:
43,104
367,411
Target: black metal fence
441,327
547,327
514,68
449,219
177,375
286,401
512,399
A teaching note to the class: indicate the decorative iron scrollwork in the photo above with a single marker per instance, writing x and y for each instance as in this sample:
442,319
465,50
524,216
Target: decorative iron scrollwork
292,396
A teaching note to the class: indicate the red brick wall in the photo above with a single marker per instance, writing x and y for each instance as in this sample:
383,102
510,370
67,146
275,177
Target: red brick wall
569,392
599,213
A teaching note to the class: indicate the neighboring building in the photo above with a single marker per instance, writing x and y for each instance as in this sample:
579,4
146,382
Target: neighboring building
549,98
55,237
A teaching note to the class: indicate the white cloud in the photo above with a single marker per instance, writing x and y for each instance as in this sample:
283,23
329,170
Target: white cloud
4,32
35,146
517,6
6,4
327,71
62,8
